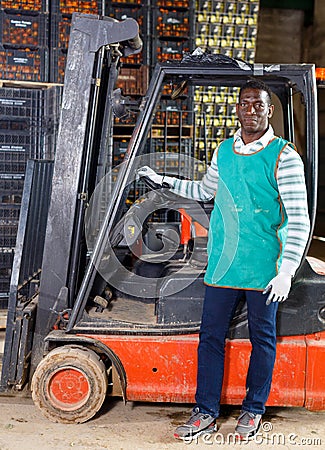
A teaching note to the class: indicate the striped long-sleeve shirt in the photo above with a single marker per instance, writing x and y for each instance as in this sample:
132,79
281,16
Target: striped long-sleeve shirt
292,189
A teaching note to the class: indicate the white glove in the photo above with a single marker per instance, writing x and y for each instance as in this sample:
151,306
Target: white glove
146,171
278,287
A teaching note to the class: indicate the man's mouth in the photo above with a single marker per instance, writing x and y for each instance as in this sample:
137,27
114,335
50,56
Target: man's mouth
250,120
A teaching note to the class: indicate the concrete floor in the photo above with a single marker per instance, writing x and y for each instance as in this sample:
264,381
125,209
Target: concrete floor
139,426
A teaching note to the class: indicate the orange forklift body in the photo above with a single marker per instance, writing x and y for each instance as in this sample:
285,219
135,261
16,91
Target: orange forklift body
163,369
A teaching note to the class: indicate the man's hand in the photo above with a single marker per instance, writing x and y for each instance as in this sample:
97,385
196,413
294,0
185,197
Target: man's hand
160,180
278,287
146,171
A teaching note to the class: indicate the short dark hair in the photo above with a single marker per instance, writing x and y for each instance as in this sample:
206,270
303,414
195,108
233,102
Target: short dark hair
254,83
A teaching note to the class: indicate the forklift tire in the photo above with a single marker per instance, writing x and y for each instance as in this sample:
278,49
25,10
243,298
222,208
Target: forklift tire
70,384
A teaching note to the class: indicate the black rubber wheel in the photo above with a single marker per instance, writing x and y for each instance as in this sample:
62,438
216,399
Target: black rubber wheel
69,385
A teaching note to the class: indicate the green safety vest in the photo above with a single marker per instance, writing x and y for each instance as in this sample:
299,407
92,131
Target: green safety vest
248,225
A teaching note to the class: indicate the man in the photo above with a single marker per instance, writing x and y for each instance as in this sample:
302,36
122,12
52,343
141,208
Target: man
258,179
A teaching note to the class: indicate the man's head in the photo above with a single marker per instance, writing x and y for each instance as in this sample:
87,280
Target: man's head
254,109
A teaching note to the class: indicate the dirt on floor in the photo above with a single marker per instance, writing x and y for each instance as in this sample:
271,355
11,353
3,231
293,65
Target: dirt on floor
140,426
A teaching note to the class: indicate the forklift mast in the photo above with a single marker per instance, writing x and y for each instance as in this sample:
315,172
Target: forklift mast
96,45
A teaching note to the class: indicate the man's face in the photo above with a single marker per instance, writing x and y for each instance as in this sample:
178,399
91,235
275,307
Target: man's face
254,111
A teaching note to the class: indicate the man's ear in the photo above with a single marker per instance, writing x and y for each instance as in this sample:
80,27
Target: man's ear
271,111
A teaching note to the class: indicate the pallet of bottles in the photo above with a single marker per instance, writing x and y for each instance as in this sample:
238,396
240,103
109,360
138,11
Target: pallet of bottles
229,27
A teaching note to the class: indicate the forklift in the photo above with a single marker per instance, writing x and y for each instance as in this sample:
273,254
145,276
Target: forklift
107,281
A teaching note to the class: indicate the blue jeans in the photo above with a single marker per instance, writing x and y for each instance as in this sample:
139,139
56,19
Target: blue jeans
218,309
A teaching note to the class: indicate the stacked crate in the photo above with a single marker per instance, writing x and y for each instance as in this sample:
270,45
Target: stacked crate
228,27
24,40
20,112
61,15
173,29
173,35
172,130
29,120
133,77
134,70
50,121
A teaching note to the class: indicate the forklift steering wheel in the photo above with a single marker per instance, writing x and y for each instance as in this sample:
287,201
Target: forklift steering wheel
162,189
153,186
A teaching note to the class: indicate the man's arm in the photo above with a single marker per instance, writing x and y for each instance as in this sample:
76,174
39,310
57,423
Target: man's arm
203,190
292,189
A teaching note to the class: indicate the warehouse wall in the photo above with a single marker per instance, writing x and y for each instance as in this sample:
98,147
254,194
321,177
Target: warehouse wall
317,49
280,35
284,37
317,55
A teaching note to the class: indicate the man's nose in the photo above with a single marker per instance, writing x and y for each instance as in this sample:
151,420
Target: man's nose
251,109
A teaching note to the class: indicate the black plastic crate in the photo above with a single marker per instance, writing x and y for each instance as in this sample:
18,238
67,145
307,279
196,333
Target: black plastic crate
51,121
82,6
6,259
133,81
4,285
172,23
4,299
125,3
58,59
167,50
173,29
8,234
20,102
14,145
13,162
179,4
9,188
24,64
26,5
29,120
24,28
12,198
9,213
14,124
135,11
60,30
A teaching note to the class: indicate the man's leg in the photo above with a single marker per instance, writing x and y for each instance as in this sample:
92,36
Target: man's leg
218,309
262,332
